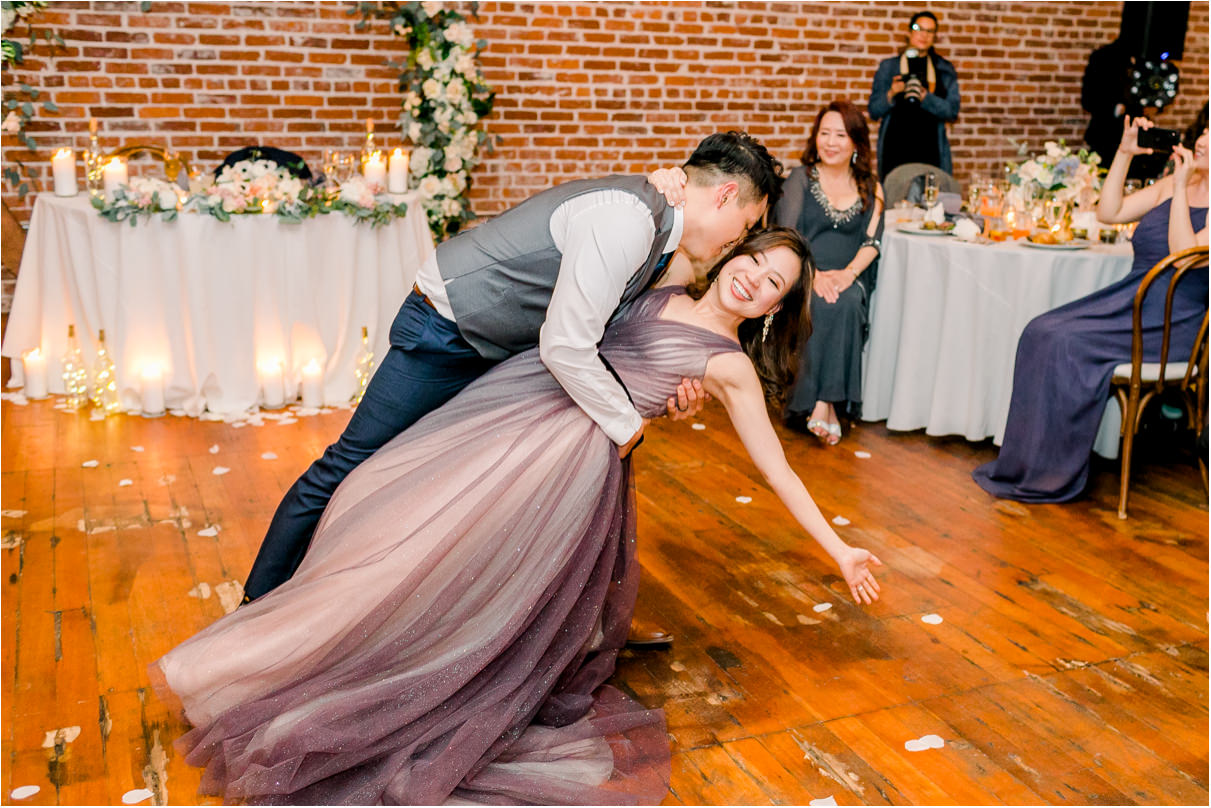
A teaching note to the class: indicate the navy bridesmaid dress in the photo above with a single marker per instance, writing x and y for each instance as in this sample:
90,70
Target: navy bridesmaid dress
1065,358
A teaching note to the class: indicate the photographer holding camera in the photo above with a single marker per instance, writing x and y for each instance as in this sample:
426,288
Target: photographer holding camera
914,94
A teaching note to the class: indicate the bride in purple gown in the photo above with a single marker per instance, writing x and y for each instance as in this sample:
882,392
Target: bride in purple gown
449,633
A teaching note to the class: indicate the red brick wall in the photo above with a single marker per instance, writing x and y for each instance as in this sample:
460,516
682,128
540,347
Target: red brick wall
583,88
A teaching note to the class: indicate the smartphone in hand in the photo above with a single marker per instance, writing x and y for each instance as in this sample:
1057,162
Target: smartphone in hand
1158,139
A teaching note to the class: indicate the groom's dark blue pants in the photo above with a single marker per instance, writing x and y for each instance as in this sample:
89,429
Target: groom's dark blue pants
427,364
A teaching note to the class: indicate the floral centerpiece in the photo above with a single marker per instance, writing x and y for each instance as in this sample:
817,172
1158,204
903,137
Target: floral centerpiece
1069,177
142,196
445,98
254,186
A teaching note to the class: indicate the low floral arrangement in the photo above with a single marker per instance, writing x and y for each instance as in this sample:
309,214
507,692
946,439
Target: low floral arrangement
253,186
245,188
142,196
1069,176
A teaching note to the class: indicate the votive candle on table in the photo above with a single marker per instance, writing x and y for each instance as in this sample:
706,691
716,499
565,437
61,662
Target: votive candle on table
114,175
397,169
34,364
151,379
313,384
376,170
63,166
273,391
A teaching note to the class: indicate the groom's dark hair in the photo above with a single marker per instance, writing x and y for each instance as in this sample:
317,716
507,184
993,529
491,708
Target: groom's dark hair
739,156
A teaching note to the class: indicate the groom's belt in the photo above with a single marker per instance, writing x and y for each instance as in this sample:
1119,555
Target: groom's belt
424,297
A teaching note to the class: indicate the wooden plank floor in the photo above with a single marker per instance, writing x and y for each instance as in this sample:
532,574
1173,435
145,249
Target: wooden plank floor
1069,666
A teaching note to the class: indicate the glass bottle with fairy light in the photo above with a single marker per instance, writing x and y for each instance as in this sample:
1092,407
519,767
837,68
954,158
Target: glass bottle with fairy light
363,367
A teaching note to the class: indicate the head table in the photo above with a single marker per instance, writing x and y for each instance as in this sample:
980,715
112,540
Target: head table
211,302
945,320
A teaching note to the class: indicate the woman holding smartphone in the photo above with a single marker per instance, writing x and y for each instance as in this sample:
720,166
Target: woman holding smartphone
1066,357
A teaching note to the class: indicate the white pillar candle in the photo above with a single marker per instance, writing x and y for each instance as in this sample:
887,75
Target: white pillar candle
376,170
113,175
34,364
151,379
313,384
273,392
63,166
397,167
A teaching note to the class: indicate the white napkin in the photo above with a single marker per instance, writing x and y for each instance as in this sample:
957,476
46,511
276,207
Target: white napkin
1086,220
966,230
935,214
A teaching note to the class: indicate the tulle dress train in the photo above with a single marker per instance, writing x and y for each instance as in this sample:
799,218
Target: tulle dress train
447,637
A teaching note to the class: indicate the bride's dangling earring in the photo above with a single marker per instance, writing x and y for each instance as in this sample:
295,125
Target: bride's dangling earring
769,319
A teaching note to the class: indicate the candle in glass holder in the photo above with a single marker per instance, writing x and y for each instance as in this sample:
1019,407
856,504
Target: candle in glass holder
114,175
376,170
151,379
63,166
34,364
313,384
397,168
273,390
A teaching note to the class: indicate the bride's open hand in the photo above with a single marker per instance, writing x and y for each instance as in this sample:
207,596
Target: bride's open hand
856,566
670,182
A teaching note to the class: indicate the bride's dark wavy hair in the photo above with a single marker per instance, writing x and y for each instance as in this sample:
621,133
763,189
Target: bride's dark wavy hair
776,357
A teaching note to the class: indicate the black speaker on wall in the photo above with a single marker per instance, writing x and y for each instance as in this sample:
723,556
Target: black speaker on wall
1155,32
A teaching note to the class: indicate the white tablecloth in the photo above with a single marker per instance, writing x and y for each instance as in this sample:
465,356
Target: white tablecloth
945,321
208,300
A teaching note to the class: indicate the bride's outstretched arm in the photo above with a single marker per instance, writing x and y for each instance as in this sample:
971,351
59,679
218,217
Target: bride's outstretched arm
731,378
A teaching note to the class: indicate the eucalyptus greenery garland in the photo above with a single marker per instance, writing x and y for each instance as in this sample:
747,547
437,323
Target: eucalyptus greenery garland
445,99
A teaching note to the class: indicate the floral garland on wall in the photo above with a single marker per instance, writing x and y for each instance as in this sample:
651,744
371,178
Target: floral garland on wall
19,103
445,99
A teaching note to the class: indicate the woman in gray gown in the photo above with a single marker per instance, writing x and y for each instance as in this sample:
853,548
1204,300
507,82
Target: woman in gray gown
468,589
836,203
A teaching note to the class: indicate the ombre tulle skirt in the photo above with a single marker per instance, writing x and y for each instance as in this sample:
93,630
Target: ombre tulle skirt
463,601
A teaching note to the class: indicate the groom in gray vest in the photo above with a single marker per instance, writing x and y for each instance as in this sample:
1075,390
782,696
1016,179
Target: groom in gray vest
550,272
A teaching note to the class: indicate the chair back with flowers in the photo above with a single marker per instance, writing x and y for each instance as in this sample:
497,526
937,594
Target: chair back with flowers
288,160
1135,383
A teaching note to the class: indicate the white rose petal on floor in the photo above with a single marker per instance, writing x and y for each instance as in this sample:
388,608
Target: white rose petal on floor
822,607
932,619
24,792
89,464
924,742
219,471
840,520
862,455
744,500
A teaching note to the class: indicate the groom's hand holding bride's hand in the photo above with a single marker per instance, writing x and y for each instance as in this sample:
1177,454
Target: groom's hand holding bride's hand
689,400
670,182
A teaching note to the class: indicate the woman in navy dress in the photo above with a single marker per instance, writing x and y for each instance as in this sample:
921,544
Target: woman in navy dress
1065,358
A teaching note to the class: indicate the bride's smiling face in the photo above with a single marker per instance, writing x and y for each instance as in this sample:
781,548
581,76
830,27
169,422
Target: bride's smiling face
752,285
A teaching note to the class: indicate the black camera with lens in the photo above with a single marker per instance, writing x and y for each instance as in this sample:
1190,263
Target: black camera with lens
915,78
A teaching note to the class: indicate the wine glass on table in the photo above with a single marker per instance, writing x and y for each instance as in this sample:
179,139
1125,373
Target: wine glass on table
929,194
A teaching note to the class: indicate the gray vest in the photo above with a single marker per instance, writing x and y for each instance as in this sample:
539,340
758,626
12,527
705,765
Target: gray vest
499,276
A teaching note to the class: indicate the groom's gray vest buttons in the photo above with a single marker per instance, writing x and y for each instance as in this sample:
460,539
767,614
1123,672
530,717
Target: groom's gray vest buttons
500,275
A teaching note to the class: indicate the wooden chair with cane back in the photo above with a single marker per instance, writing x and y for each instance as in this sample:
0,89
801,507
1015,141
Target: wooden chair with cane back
1137,382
